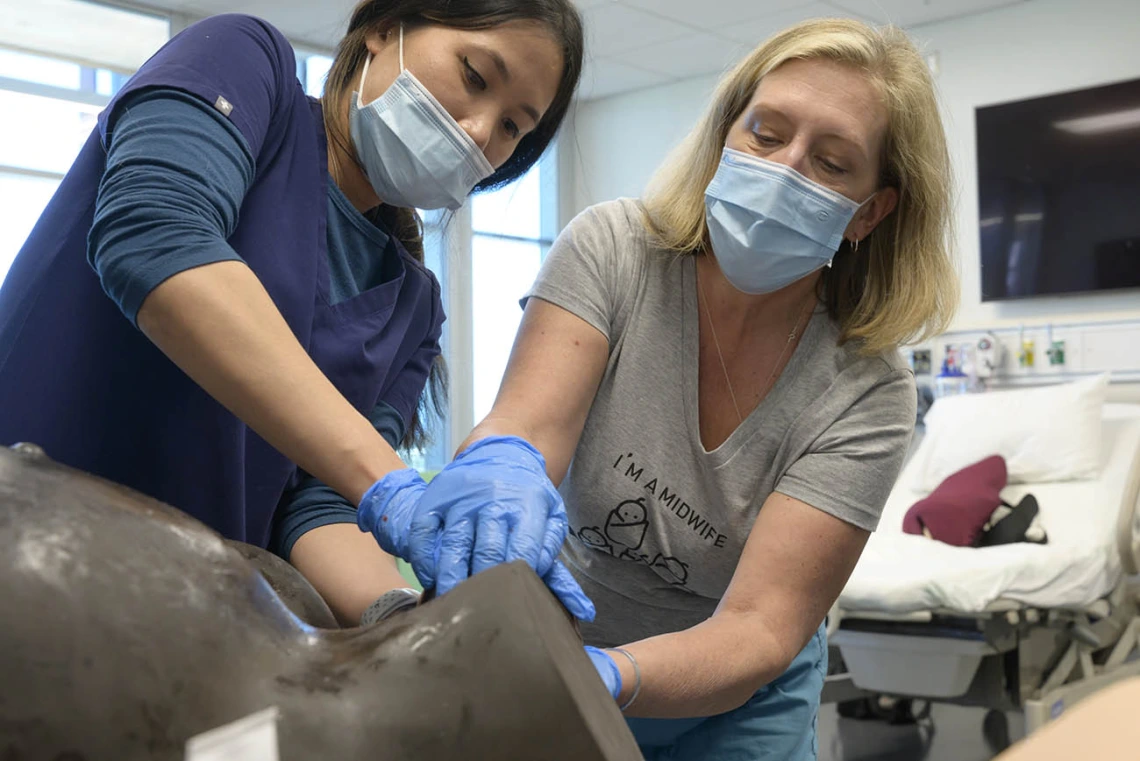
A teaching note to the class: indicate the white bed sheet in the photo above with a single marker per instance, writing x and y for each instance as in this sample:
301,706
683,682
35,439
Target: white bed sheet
902,573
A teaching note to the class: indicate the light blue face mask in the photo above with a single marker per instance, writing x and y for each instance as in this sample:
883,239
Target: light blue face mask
770,225
414,153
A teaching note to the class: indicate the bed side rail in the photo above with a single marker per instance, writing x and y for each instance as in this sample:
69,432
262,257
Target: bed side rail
1128,523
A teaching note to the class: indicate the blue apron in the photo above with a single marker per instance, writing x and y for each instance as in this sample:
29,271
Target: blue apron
79,380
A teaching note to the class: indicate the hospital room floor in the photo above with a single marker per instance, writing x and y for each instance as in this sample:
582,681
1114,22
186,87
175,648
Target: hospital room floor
956,736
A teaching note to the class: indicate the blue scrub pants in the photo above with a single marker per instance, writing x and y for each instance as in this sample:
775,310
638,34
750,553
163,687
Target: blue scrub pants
779,723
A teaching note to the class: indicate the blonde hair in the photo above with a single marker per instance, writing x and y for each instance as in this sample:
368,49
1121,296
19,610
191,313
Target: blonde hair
901,285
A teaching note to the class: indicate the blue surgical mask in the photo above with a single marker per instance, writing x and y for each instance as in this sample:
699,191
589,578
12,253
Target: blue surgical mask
413,152
770,225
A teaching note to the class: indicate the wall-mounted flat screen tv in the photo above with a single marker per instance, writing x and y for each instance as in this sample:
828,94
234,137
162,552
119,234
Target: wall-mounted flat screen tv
1059,193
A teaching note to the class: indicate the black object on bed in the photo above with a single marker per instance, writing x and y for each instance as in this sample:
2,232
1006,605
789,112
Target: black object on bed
1015,526
967,510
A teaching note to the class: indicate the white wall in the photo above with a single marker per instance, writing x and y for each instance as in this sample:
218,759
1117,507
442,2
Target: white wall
611,146
1017,52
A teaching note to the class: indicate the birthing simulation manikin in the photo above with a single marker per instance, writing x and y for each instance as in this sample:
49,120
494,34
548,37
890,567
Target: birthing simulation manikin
130,627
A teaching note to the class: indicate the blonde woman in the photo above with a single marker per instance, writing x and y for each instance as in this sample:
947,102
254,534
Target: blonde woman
711,374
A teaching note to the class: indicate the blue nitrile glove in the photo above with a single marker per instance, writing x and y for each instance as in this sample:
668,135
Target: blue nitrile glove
607,669
388,508
565,587
493,504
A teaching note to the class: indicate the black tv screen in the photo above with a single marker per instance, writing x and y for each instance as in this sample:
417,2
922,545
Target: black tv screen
1059,193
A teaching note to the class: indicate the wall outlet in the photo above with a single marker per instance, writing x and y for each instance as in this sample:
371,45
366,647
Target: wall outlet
920,362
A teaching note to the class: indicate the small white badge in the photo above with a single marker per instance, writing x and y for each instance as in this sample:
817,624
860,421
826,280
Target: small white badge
224,106
253,738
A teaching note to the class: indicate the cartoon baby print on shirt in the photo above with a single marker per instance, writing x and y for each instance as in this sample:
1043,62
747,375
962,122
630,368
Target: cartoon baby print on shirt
596,540
626,526
671,568
623,536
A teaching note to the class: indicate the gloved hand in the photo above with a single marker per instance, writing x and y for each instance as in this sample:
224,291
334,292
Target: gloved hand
565,587
493,504
607,669
388,508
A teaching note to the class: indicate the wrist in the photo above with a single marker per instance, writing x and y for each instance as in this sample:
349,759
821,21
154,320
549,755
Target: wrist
630,672
507,447
368,474
495,425
364,466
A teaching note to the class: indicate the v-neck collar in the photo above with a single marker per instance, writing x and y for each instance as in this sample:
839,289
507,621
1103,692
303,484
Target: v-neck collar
753,423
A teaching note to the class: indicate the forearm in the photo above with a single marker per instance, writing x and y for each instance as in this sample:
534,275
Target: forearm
499,425
792,569
220,326
549,386
347,568
709,669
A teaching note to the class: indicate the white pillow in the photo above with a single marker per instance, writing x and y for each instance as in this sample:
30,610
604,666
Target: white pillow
1044,434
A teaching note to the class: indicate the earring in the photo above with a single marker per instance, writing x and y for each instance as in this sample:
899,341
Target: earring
855,244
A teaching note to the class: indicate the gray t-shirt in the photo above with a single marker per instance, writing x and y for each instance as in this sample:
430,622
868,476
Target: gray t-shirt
657,523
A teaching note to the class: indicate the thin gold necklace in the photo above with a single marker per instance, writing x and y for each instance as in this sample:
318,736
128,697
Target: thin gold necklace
720,355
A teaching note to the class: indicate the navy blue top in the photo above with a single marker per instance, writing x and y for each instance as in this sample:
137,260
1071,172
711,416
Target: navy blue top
173,209
176,174
81,381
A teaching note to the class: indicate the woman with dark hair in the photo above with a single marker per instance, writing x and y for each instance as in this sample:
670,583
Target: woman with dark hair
280,324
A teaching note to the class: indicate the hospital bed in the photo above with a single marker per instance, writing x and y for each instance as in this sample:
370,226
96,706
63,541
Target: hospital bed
1019,627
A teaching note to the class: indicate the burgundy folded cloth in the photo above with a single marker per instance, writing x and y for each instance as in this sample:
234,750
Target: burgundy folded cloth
957,511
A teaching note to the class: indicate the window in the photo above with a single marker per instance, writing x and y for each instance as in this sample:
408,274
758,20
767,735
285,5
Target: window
486,257
91,34
23,197
512,228
50,138
37,149
437,234
59,103
312,69
58,97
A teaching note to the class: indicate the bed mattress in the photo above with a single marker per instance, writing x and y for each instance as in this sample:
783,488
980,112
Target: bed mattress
901,573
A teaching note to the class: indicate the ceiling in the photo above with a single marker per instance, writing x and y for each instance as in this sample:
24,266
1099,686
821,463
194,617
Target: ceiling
631,43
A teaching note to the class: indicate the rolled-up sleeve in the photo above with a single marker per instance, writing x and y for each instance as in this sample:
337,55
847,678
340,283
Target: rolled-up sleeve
312,503
177,172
